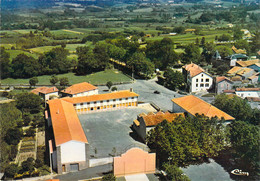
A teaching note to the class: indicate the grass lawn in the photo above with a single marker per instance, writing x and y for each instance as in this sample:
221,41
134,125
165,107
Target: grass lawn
14,53
96,78
41,50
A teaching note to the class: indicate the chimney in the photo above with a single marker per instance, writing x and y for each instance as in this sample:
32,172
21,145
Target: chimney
131,89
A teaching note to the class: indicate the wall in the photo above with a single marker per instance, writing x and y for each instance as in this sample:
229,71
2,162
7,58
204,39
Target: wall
134,161
72,152
223,85
199,80
47,96
87,93
141,129
104,105
244,94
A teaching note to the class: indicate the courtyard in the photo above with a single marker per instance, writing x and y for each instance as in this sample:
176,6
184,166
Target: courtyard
109,133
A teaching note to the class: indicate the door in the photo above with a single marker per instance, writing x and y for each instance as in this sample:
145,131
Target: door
74,167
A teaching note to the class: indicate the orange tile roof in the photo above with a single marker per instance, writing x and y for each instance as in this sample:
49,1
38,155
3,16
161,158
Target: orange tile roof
78,88
193,105
100,97
65,122
193,69
238,51
244,70
44,90
234,70
154,119
253,77
248,89
248,62
221,78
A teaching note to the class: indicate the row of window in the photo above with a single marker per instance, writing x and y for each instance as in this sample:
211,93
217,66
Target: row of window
107,107
114,100
197,80
202,85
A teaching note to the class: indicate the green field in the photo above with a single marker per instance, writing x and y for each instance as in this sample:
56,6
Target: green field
96,78
14,53
41,50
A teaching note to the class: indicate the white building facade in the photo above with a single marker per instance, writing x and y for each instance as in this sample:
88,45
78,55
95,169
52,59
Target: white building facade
200,82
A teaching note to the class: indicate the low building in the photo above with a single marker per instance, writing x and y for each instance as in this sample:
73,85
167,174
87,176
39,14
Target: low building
46,92
238,51
196,77
102,102
145,123
69,148
254,79
236,57
255,67
222,83
194,105
247,63
248,92
243,72
79,90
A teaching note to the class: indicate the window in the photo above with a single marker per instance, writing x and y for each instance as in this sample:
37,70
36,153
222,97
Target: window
101,101
201,85
126,98
95,102
81,104
114,105
107,100
114,100
98,108
201,80
196,85
88,103
132,97
74,105
92,109
207,80
206,85
197,80
120,99
201,75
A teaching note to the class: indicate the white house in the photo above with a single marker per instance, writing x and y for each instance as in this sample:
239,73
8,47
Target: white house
248,92
197,78
69,148
79,90
46,92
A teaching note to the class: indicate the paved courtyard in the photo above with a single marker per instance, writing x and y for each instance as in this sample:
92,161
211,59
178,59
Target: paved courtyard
146,88
109,132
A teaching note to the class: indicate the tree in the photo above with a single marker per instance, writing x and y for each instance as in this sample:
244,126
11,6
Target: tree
224,37
141,65
33,81
255,44
237,107
109,84
13,136
174,173
173,79
187,139
237,33
191,54
5,66
25,66
28,102
161,53
242,44
11,170
54,79
202,42
28,165
245,138
179,29
208,51
64,81
55,61
30,132
224,51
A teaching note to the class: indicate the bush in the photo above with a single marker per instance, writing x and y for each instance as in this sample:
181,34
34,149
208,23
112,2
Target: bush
109,177
11,170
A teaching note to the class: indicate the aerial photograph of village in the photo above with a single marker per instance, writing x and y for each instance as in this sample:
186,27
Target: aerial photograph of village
130,90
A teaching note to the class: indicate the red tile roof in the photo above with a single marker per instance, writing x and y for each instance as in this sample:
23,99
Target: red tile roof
44,90
219,79
154,119
229,91
100,97
78,88
65,122
194,105
193,69
253,99
248,89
